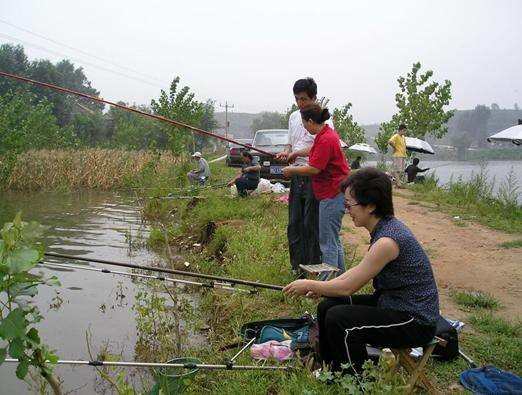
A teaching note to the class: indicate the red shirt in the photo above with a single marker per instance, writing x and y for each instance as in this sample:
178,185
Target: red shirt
327,156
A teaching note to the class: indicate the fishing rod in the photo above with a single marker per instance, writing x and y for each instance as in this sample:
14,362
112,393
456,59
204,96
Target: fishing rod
227,366
170,271
160,278
134,110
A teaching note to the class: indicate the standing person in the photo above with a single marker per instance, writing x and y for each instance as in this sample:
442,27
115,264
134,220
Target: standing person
328,167
398,143
356,164
248,179
303,207
414,169
403,310
202,173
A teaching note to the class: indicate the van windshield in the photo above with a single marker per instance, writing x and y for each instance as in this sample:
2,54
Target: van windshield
271,138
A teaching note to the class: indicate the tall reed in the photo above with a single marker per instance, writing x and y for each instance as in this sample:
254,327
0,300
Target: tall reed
86,168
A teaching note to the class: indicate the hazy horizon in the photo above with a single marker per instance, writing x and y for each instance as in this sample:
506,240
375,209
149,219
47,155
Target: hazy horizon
250,54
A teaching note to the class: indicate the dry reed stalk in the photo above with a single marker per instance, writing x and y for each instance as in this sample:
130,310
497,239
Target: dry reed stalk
84,168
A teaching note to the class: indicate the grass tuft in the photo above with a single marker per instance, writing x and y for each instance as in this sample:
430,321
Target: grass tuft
476,299
511,244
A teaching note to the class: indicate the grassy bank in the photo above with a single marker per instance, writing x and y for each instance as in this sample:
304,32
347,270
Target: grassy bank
475,200
249,241
88,168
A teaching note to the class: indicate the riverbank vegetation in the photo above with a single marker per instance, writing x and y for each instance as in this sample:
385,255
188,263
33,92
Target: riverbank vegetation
246,238
475,200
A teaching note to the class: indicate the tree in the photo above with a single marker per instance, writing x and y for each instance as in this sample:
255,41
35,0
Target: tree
516,107
12,60
421,104
28,123
208,122
179,105
286,116
462,141
269,120
386,130
349,131
495,107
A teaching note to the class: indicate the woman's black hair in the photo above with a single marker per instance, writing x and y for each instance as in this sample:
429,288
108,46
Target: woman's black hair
306,85
315,113
247,154
371,186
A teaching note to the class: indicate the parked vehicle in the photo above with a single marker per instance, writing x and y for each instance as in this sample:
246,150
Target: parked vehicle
273,141
234,152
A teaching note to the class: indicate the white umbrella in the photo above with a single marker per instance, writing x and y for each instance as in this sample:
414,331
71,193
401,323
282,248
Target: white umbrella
418,145
513,134
362,147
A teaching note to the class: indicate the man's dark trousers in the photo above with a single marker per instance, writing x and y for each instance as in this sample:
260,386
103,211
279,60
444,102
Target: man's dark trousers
303,223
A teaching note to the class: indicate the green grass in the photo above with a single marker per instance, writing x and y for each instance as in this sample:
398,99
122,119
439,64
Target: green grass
250,243
475,299
511,244
474,200
487,323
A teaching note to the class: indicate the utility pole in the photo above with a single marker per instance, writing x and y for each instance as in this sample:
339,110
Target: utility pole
227,124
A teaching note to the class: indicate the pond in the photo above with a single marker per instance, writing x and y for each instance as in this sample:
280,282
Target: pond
92,224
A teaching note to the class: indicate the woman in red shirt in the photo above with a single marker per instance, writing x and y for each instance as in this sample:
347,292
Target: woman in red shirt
328,168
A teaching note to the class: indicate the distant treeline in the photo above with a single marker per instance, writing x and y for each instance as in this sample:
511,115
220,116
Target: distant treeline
33,117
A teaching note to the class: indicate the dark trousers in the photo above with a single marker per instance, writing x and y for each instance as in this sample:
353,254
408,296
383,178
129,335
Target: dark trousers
244,184
347,325
303,223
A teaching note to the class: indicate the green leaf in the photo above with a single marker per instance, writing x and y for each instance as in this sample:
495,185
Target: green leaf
33,336
22,369
3,354
16,348
13,325
22,259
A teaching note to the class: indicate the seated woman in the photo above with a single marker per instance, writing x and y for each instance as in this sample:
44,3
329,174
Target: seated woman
405,305
248,179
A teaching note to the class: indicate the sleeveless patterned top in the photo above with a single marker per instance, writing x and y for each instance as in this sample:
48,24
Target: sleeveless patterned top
407,283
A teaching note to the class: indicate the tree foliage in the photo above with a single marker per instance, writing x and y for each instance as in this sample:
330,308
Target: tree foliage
19,253
421,104
349,131
269,120
179,104
28,123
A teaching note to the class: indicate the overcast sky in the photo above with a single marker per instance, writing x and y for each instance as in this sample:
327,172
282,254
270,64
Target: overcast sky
250,53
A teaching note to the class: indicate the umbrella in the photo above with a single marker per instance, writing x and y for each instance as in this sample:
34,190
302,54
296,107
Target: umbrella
418,145
362,147
513,134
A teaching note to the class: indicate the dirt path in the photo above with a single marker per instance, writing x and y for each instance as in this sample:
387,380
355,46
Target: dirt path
465,256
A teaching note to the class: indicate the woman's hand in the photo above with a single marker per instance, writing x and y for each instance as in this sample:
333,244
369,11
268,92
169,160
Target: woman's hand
298,288
288,171
292,157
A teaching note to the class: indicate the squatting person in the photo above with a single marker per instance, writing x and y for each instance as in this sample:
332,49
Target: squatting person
248,178
405,305
202,173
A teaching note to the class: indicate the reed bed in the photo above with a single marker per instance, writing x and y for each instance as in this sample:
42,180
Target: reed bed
86,168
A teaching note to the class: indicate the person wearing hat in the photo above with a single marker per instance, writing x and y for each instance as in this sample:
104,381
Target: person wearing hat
202,173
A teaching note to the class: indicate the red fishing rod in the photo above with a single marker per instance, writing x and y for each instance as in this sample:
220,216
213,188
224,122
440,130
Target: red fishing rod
158,117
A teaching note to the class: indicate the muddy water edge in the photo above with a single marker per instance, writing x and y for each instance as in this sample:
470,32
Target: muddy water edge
96,315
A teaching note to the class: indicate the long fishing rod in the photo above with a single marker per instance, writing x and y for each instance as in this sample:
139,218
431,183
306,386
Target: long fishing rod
134,110
170,271
229,366
160,278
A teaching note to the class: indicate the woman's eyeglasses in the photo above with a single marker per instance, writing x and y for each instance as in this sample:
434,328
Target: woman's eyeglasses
348,206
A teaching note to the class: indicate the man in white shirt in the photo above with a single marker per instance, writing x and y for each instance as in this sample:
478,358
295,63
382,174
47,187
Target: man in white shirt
303,207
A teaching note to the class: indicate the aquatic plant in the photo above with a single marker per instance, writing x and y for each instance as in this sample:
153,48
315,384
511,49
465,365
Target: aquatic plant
87,168
19,253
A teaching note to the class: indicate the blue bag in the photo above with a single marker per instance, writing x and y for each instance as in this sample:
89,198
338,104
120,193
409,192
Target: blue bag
491,380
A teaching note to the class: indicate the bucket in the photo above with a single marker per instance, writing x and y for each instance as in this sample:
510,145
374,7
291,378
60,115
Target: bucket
174,380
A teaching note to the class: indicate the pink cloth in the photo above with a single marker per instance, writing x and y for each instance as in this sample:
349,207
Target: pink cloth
280,351
283,199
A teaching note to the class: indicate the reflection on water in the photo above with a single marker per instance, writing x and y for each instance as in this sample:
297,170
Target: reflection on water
91,224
